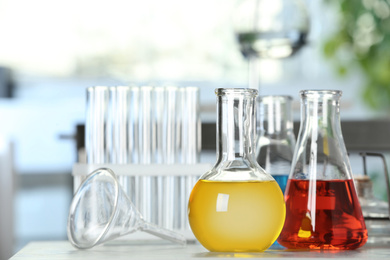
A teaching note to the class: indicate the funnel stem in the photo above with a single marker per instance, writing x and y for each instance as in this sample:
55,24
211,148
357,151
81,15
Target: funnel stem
163,233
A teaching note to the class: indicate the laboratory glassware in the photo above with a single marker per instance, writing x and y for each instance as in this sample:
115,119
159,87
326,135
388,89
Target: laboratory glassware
236,206
269,29
276,141
101,211
148,125
322,207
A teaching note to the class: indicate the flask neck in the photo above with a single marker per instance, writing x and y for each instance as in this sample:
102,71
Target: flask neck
275,115
236,124
321,111
320,152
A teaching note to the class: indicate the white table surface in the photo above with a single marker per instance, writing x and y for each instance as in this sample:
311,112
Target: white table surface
160,250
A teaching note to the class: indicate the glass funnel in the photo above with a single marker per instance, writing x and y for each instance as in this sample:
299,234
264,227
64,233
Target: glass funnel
236,206
322,207
276,142
101,211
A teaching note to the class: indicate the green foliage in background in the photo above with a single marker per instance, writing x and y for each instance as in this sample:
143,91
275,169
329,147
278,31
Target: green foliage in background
362,39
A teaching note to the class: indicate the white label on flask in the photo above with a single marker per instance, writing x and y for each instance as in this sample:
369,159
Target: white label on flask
222,202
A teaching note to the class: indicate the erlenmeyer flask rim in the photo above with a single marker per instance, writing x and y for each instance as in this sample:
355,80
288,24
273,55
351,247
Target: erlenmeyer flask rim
317,93
276,97
76,199
236,91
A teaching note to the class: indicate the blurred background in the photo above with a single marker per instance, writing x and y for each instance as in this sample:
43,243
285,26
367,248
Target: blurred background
51,51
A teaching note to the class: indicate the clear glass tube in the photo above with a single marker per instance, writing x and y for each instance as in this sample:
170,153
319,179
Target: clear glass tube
169,202
171,144
159,108
121,125
95,125
120,99
147,150
157,195
190,147
171,122
190,121
146,126
134,122
111,124
133,186
98,127
322,207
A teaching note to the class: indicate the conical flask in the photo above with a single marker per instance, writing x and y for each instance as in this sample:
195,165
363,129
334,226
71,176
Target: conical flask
236,206
101,211
276,142
322,207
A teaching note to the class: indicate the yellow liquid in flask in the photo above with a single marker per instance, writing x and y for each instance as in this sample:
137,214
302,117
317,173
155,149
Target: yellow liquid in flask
236,216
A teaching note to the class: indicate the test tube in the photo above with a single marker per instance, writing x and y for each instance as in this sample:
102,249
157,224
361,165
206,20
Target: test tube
170,148
96,136
97,127
191,126
111,124
158,114
134,110
171,125
146,127
159,155
122,117
191,146
134,125
147,142
121,98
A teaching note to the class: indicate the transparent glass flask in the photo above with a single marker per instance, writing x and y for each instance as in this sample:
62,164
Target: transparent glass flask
236,206
322,207
276,142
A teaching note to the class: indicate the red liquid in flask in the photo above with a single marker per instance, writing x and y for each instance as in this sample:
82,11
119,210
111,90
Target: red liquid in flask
322,214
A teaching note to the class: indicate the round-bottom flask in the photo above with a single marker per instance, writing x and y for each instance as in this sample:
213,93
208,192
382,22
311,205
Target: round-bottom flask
322,207
236,206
